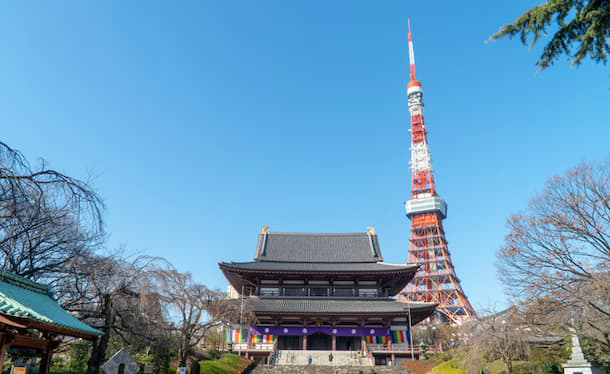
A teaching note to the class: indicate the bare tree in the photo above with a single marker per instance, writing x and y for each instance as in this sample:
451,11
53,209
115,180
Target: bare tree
114,295
557,254
498,336
194,308
46,217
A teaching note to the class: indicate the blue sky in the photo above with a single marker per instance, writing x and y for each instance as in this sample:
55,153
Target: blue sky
203,121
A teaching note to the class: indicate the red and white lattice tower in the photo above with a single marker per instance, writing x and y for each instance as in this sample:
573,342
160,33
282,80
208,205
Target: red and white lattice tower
436,280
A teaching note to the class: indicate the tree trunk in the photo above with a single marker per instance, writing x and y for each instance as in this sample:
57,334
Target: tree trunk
98,352
509,366
184,347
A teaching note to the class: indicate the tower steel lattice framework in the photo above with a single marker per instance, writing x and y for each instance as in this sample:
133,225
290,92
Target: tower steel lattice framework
436,280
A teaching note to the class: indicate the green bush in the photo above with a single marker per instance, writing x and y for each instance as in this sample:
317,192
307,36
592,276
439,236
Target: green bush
78,355
214,354
551,368
62,371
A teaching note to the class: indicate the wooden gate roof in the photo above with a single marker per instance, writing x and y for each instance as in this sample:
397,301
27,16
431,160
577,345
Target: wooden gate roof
31,304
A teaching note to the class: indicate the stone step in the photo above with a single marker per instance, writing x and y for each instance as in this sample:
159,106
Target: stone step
263,369
301,358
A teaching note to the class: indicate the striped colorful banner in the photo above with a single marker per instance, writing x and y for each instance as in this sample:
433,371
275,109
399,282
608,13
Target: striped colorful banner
262,339
400,336
376,339
236,335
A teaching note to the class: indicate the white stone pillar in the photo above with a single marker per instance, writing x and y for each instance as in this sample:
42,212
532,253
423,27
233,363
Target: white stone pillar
577,363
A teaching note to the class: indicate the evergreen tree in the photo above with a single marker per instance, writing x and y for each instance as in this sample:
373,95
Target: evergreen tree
585,23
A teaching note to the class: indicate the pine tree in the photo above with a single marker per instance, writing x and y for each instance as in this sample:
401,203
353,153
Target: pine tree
585,23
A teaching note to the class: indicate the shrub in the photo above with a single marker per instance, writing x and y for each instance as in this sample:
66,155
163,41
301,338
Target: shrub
78,355
213,354
61,371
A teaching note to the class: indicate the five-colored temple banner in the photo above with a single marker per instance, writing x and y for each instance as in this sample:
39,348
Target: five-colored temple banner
266,334
376,339
400,336
326,330
236,335
263,339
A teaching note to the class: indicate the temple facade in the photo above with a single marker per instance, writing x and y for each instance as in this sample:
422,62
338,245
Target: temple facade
323,292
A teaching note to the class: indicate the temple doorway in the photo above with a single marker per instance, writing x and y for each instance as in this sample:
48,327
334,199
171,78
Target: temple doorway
319,342
289,342
348,343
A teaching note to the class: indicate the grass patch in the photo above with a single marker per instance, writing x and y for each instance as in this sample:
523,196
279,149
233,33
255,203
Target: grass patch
227,364
448,367
497,367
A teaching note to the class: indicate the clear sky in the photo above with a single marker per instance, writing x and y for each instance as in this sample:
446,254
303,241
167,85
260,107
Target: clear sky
203,121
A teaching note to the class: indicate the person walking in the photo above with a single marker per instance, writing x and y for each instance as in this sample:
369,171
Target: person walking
330,357
309,359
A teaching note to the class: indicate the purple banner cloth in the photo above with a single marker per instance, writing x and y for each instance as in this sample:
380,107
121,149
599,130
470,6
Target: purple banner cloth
308,330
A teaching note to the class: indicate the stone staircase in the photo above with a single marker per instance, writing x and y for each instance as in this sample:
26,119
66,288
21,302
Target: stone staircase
262,369
300,358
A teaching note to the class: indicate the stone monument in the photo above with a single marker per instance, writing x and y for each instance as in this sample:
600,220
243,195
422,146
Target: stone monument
120,363
577,363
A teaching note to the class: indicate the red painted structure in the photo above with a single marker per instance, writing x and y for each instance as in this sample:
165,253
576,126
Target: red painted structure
436,280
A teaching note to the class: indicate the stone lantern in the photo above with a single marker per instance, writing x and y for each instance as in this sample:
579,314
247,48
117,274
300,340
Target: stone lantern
577,363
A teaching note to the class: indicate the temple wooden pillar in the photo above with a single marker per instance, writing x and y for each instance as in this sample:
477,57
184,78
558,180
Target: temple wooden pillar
304,342
334,340
45,360
363,346
4,345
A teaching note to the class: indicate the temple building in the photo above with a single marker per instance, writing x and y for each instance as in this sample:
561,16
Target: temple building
323,292
32,325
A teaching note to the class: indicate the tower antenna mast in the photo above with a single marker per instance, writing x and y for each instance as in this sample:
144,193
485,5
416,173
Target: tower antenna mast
411,53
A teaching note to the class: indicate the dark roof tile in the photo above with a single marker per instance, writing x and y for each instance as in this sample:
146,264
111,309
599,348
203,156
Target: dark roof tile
317,266
333,305
318,247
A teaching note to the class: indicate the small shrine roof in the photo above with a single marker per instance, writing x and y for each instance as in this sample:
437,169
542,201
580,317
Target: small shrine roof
29,301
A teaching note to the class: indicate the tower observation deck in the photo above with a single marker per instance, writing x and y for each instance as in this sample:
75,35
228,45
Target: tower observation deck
436,280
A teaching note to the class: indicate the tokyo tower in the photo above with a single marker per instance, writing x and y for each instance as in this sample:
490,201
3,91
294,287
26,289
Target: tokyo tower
436,280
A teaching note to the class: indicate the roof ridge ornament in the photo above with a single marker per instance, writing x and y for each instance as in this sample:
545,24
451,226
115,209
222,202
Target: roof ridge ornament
262,251
371,235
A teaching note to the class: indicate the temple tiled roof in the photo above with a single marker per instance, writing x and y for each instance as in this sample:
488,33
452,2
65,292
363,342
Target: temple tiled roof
320,254
318,247
319,267
27,300
325,305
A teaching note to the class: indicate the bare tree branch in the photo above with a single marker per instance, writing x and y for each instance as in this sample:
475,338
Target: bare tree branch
557,254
